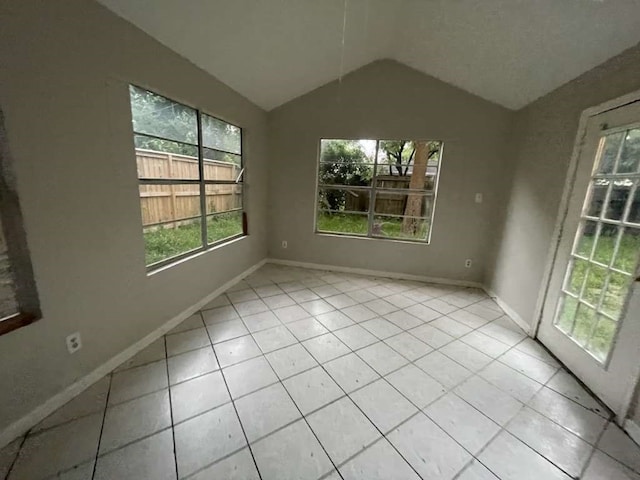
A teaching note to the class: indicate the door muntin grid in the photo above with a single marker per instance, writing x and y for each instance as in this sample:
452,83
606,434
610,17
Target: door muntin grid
606,248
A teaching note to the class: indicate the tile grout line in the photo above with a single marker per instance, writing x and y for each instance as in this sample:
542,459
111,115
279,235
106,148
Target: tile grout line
173,432
104,416
15,458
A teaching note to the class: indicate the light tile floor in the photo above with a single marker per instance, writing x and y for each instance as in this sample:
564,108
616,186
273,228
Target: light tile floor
305,374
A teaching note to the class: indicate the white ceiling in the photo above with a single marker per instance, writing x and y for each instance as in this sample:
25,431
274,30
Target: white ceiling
507,51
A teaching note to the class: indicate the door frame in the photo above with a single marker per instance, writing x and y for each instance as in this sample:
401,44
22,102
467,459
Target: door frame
563,211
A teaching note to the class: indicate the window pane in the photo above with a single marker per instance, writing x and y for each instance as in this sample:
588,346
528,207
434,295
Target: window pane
161,159
576,277
411,205
598,193
8,303
585,322
223,225
170,219
602,338
595,284
634,210
343,200
628,251
620,191
567,313
401,227
408,164
616,294
606,243
221,135
630,156
156,115
610,152
587,237
221,166
352,223
223,197
343,173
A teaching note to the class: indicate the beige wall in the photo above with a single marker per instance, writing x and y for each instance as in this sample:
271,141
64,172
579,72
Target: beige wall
390,101
63,88
543,141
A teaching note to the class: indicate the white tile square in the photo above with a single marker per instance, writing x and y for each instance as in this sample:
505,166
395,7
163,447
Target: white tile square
138,381
566,384
194,321
485,312
236,350
416,385
493,402
383,405
306,328
362,296
275,461
130,421
381,328
466,355
510,381
359,313
223,331
403,320
550,440
219,301
290,361
619,445
251,307
325,291
268,291
451,326
502,334
485,344
440,306
239,466
400,301
191,364
316,307
530,366
312,389
603,466
341,301
291,313
266,410
422,312
198,395
408,346
476,471
571,415
380,306
242,296
154,352
261,321
279,301
355,337
378,462
350,372
342,429
249,376
148,458
334,320
206,438
468,318
382,358
443,369
431,452
304,295
274,338
431,336
533,348
465,424
187,341
325,347
220,314
510,459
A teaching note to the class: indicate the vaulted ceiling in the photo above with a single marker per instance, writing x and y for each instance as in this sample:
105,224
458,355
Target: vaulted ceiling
506,51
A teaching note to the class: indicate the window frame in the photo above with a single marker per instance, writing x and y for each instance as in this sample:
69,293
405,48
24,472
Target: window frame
202,182
373,190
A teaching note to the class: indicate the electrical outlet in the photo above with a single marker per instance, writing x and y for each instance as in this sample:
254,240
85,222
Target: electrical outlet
284,244
467,263
478,198
74,342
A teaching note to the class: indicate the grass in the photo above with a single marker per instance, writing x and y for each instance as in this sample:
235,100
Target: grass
587,319
357,224
163,243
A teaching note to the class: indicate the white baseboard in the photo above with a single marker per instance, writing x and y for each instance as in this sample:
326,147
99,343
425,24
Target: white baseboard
21,426
512,314
632,429
375,273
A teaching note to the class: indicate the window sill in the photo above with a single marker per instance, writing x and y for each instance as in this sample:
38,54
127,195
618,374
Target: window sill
9,324
363,237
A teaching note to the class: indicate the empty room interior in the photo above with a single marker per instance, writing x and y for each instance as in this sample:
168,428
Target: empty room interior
320,239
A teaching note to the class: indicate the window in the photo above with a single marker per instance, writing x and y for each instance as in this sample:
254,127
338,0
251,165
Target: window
378,188
190,172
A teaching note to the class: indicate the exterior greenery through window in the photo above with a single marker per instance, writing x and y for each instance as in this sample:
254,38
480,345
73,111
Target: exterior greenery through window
378,188
190,173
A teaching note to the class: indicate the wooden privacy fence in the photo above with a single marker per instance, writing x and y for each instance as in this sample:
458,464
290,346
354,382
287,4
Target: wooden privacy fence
177,204
386,202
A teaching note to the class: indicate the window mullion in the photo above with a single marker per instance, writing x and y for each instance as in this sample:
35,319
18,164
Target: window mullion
203,186
372,192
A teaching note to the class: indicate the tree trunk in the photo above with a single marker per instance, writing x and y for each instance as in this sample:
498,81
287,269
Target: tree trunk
417,182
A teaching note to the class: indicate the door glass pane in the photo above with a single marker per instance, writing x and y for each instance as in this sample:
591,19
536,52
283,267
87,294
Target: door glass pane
634,210
594,285
620,191
598,193
615,295
628,250
600,342
584,325
610,152
588,231
630,156
567,313
577,276
605,245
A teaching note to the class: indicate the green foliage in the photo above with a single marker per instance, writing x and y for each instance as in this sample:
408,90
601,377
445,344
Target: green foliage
342,162
358,225
399,154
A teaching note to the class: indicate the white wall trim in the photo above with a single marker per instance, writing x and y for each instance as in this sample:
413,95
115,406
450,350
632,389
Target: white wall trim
22,425
511,313
632,429
375,273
